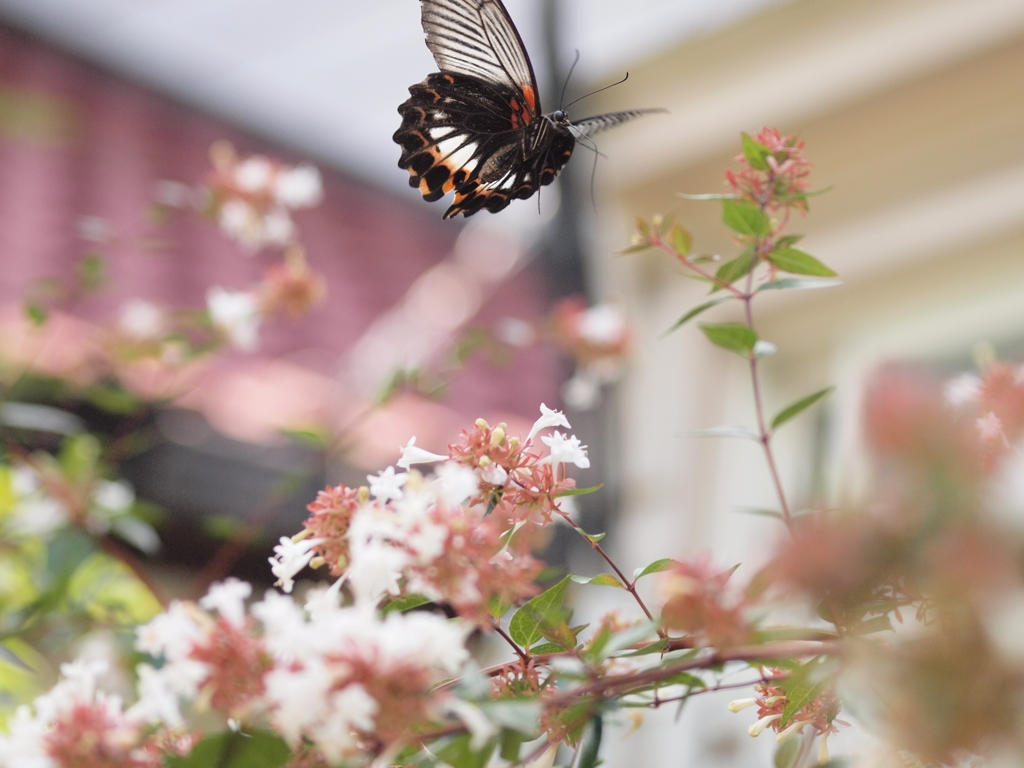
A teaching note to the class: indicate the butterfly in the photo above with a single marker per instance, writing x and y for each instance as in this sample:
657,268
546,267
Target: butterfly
476,127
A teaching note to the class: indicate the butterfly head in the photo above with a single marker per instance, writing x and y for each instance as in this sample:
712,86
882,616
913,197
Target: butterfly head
559,117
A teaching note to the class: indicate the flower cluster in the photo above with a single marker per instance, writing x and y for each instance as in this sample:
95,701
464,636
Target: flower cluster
453,537
336,682
697,602
251,198
774,171
597,338
74,724
772,700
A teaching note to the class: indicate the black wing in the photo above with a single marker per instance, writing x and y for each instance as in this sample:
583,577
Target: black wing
461,134
591,125
477,38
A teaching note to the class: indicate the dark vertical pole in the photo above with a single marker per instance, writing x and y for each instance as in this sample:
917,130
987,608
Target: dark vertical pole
562,259
562,255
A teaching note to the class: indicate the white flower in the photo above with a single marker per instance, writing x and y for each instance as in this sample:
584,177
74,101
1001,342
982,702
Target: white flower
228,599
237,314
157,702
764,349
171,634
291,557
456,483
603,325
756,729
565,450
963,390
254,174
141,319
495,474
412,455
376,569
38,516
241,221
990,427
299,187
278,227
516,332
113,496
298,696
548,418
582,392
740,704
354,709
387,485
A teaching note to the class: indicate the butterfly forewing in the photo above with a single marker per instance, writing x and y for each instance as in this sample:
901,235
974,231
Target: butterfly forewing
477,38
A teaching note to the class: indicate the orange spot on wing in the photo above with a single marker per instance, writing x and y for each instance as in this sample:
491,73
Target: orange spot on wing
531,97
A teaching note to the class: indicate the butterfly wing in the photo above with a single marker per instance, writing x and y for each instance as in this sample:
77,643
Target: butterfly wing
462,134
477,38
591,125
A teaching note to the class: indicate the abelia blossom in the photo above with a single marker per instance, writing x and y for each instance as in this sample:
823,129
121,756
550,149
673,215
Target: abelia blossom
76,726
783,184
251,198
697,603
771,701
237,315
292,286
330,516
597,338
412,455
291,556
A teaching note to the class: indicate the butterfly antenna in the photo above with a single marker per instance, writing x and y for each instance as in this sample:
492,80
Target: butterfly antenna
587,143
599,90
568,77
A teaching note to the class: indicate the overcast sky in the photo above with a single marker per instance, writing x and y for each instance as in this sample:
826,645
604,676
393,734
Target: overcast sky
326,76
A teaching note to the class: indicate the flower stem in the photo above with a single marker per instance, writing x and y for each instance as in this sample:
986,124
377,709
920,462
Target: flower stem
630,586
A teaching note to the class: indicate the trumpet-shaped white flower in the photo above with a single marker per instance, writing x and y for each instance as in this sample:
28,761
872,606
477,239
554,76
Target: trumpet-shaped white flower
565,450
549,418
387,485
228,599
290,558
412,455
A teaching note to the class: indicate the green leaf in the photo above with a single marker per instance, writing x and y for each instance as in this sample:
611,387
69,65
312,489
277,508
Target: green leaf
601,580
404,603
739,267
591,748
36,313
745,218
115,400
802,687
694,312
794,410
311,438
656,567
522,715
796,283
545,648
799,263
236,750
458,753
579,491
682,240
734,337
788,752
545,607
755,152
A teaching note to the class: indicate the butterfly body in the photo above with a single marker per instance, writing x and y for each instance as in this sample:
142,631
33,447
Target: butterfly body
476,127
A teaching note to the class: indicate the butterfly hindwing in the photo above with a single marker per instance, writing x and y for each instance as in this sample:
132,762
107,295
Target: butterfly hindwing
464,135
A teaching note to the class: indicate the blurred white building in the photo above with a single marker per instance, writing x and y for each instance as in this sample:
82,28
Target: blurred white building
913,112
